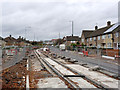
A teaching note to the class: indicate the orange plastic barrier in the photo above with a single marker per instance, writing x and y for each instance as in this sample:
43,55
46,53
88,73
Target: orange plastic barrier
85,53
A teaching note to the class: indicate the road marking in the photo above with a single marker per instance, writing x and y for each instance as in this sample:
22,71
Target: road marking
27,78
27,82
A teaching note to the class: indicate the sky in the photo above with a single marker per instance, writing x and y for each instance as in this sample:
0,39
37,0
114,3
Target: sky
45,19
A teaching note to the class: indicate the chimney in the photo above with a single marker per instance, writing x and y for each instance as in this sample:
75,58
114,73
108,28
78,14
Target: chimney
96,27
10,36
108,23
20,37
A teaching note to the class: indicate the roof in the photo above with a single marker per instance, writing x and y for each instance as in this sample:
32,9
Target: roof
72,38
112,28
86,33
99,31
116,29
20,40
10,39
1,38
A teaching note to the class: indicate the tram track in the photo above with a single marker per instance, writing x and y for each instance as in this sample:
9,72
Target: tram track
70,79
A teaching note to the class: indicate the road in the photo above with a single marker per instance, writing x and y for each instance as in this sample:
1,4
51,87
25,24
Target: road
17,58
114,68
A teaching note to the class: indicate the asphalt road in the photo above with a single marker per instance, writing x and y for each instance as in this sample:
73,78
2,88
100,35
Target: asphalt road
17,58
106,64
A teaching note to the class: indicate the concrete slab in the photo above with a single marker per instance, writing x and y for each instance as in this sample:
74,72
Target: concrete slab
59,67
82,83
36,65
53,82
108,81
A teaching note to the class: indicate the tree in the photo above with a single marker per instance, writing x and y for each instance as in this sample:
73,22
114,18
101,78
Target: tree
78,43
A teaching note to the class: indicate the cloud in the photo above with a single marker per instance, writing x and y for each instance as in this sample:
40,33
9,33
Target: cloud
47,19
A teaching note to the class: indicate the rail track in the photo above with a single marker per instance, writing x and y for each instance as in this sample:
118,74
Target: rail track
72,78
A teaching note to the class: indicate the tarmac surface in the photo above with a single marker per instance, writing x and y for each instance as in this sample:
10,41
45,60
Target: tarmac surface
103,63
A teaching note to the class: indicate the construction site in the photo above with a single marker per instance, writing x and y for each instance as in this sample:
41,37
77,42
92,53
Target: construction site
41,68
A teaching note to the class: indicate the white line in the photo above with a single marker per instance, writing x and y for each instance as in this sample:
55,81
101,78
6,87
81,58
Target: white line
27,82
108,57
27,65
27,78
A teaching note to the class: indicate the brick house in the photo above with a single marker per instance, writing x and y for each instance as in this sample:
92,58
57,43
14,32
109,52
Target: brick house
97,37
112,36
68,40
10,41
84,36
21,41
2,42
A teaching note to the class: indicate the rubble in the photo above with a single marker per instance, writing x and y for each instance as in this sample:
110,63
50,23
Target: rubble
13,76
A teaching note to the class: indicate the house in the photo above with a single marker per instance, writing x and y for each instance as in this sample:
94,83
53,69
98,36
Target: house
10,41
21,41
116,37
53,41
68,40
112,36
2,42
84,36
97,37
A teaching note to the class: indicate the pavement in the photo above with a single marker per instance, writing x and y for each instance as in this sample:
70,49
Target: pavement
109,65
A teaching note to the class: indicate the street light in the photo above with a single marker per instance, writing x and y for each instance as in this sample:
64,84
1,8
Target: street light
72,26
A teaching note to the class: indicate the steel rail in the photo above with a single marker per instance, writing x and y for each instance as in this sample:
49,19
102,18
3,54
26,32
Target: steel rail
73,85
96,83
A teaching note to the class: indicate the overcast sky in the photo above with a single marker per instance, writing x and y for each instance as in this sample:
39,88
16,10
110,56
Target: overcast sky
45,20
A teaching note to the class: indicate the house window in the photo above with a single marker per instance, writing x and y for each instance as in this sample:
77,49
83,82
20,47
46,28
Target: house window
116,34
82,40
103,36
98,46
109,35
109,44
94,38
87,39
72,41
90,39
98,37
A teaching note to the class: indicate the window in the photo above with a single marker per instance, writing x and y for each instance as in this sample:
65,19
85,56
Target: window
98,46
103,36
94,38
72,41
90,39
109,44
116,34
109,35
82,40
87,39
98,37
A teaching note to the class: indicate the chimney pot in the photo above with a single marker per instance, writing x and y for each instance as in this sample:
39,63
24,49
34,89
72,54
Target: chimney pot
10,36
19,36
108,23
96,27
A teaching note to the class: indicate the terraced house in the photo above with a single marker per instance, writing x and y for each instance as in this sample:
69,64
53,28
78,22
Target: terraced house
84,36
97,37
105,37
68,40
112,36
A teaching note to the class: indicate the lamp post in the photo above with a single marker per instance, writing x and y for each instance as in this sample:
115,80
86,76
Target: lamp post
72,26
